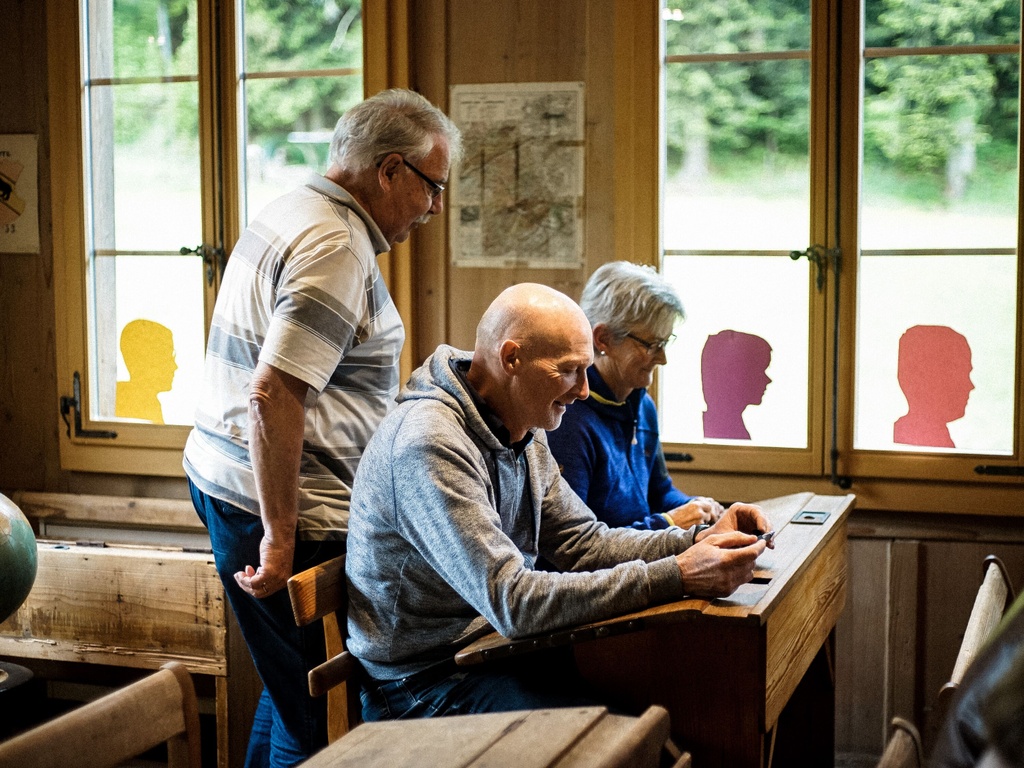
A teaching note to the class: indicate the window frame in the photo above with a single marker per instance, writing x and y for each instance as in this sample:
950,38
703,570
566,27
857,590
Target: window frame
149,449
907,480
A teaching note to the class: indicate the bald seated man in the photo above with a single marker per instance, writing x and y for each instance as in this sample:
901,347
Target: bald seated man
456,498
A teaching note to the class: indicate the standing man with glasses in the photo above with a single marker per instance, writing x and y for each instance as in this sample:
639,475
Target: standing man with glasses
301,366
608,448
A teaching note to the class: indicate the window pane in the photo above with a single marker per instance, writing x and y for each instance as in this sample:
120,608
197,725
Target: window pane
937,274
148,38
737,170
920,23
940,152
159,319
735,26
154,160
142,197
301,67
738,366
736,193
935,350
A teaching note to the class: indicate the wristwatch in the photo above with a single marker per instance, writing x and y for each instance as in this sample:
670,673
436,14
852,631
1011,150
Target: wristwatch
698,528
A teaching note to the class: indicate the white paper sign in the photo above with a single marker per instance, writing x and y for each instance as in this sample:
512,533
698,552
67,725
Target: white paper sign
19,194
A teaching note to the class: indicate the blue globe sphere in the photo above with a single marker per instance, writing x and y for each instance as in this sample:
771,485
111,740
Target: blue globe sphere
18,557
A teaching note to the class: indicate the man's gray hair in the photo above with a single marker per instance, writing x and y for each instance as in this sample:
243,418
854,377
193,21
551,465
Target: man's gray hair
392,121
623,296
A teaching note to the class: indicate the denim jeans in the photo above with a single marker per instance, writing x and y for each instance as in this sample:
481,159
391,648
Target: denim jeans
289,725
539,680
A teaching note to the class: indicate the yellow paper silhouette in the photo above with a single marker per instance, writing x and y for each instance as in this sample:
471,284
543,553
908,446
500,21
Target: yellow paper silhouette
148,351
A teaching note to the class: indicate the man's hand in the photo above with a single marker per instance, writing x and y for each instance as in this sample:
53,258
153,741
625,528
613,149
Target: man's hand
699,509
274,571
719,564
744,518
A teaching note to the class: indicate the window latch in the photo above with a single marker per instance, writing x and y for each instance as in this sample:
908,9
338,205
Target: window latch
75,402
819,256
212,257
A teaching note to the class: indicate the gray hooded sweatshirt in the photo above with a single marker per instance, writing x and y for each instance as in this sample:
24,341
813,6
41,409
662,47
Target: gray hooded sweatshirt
447,524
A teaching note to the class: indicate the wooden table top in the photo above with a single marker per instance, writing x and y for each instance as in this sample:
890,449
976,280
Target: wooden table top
545,738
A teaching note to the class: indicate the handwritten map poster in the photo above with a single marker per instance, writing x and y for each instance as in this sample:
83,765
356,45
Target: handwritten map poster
19,194
517,200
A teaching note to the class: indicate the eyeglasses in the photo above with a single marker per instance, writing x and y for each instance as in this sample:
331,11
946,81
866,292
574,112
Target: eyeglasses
435,188
652,347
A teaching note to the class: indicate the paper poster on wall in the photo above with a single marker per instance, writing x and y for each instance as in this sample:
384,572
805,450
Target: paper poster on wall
517,200
19,194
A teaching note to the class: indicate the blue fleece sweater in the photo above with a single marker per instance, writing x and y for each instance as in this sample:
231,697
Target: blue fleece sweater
610,454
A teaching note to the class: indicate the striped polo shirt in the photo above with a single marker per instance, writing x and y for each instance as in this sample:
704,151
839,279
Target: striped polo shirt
302,292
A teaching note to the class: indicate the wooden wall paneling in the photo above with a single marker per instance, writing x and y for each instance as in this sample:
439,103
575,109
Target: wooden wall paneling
428,51
861,652
28,377
902,670
522,41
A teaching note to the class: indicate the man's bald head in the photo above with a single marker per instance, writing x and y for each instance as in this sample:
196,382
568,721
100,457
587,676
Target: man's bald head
533,346
533,316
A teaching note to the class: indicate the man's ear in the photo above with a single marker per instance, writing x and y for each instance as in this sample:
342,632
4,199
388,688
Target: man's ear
603,338
388,169
509,355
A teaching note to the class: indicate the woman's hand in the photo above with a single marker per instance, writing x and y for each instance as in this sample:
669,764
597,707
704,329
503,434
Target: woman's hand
699,509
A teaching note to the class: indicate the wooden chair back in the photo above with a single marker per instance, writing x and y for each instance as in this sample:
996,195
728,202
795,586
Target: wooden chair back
117,727
990,603
903,749
321,593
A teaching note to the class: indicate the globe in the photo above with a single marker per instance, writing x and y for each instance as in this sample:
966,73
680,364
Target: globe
17,557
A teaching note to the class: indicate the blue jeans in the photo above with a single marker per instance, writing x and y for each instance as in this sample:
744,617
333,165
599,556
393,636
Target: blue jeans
539,680
289,725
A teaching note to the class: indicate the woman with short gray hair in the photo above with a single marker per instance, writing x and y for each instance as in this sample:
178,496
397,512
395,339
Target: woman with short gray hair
608,446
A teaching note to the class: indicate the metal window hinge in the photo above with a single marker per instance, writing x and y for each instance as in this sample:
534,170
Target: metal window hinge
75,402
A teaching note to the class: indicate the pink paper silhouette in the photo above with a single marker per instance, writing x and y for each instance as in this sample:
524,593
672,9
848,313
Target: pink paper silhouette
934,372
733,375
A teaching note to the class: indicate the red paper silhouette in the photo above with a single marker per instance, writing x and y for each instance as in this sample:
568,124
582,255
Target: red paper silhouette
934,372
733,374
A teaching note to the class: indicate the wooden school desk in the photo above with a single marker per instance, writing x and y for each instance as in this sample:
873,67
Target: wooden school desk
747,680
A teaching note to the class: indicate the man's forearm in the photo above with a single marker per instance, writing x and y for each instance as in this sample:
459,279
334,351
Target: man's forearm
277,419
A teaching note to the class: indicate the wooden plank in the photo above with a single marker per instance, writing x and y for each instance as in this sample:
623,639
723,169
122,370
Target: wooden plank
617,740
457,741
124,607
860,660
801,623
542,737
901,632
136,512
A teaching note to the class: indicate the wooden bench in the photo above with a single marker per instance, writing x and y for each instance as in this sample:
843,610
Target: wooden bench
114,588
